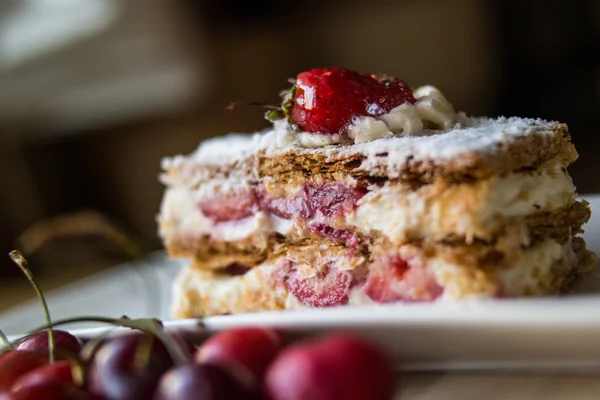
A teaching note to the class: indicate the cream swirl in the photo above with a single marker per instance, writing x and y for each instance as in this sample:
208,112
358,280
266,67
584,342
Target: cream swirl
431,111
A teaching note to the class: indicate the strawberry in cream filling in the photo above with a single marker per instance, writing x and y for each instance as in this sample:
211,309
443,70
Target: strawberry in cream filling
314,202
231,207
328,199
392,278
326,288
346,237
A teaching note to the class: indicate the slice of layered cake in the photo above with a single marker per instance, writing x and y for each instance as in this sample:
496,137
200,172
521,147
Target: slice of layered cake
366,192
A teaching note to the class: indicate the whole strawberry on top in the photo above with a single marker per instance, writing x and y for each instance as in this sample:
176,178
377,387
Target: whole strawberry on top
325,100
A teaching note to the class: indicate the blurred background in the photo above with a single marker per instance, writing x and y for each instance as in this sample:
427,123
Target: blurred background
93,93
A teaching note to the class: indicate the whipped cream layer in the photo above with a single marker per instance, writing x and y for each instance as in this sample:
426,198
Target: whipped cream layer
479,209
181,217
399,213
541,269
201,293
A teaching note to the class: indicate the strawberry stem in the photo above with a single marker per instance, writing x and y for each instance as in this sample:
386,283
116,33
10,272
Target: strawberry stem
251,104
21,262
274,115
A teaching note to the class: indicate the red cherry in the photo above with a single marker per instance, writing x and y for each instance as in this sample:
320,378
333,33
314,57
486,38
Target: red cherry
61,371
326,99
115,372
63,342
253,349
334,367
50,390
16,363
201,382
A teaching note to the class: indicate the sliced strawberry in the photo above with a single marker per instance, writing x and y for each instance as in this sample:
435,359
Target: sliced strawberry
392,278
326,289
231,207
332,199
349,238
288,207
324,100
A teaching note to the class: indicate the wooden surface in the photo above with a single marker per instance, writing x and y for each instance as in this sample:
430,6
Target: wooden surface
498,386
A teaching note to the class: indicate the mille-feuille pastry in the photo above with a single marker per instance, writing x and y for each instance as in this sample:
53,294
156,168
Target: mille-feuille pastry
365,191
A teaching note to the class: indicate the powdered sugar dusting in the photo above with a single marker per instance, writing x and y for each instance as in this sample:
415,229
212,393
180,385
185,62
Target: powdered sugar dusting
225,149
469,135
475,135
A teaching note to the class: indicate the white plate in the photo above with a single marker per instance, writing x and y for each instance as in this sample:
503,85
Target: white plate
546,333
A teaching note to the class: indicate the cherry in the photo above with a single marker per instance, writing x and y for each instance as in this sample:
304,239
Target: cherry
49,390
250,348
201,382
334,367
16,363
61,371
128,367
64,342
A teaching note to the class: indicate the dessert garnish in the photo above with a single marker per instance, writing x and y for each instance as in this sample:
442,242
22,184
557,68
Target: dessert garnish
337,106
325,100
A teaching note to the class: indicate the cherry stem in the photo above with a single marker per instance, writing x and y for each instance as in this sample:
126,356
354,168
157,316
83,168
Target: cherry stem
77,369
127,245
151,326
7,342
143,352
85,223
251,104
21,262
